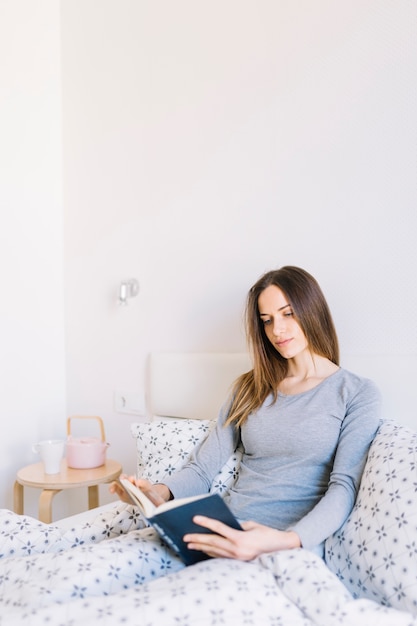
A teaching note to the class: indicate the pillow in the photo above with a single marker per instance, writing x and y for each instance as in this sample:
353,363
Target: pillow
164,447
227,476
375,551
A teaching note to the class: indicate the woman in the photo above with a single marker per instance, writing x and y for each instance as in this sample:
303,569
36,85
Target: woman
305,425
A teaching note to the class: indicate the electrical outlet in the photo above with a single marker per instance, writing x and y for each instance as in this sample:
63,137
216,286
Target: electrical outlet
131,402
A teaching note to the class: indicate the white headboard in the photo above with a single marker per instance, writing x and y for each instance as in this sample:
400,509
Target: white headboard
192,384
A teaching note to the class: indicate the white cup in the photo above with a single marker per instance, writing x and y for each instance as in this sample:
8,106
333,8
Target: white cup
51,452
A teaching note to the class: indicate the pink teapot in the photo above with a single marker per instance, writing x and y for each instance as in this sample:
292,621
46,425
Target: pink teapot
86,452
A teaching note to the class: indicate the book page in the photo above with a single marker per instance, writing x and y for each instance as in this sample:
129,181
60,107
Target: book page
138,497
172,504
147,507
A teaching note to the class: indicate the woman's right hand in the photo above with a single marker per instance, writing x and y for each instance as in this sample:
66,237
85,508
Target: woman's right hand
157,494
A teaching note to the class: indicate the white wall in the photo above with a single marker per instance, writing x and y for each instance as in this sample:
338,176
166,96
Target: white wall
32,365
205,143
208,142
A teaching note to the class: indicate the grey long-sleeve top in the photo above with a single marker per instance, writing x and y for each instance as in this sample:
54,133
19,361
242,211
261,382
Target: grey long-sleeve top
303,457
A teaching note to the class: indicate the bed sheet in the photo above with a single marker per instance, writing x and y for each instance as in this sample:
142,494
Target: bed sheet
89,574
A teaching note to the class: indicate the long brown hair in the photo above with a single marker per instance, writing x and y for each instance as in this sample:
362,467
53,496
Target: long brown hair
269,368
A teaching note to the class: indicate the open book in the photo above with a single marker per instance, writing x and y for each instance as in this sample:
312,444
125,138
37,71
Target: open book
173,519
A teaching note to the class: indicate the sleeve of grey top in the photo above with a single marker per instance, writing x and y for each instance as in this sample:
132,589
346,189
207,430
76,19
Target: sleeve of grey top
357,432
196,477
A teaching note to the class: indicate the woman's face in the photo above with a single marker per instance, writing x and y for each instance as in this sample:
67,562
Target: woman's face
281,327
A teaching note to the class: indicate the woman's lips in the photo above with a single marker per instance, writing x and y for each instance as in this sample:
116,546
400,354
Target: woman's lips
282,343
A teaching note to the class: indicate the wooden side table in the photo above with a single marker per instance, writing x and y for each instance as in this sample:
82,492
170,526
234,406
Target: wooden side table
68,478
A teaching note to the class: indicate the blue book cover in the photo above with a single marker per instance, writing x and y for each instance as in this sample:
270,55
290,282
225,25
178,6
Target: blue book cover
174,519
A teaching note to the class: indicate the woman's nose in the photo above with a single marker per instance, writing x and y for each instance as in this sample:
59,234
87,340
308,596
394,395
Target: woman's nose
279,326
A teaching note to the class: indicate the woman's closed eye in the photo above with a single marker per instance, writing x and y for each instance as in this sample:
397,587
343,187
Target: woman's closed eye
266,321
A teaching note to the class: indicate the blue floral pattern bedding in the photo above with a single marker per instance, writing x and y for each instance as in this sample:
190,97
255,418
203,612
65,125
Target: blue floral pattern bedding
114,570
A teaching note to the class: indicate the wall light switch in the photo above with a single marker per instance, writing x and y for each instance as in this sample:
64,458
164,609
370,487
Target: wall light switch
131,402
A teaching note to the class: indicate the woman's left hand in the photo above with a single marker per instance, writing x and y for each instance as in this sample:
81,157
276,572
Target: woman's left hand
244,545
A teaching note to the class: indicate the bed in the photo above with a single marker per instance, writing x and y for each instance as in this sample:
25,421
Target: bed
85,569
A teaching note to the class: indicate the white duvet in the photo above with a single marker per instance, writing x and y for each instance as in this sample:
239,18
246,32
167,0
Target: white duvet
106,572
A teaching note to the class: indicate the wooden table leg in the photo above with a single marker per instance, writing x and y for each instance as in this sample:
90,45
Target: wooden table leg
45,504
18,498
93,497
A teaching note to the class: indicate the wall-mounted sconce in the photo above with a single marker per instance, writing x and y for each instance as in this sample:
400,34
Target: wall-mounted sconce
128,289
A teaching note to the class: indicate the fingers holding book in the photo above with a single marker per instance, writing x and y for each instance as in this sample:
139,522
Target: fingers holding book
223,541
157,494
245,545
